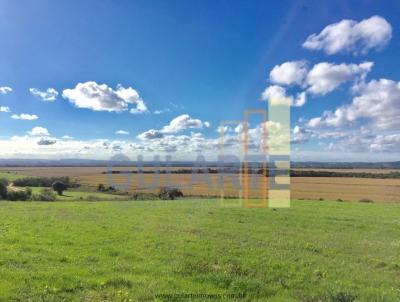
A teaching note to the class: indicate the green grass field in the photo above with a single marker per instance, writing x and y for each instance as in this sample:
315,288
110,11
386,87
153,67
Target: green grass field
76,195
135,251
10,176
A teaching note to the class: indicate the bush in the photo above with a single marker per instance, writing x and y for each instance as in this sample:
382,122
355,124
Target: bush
44,195
111,189
366,200
169,193
3,188
59,187
102,188
4,181
19,195
28,192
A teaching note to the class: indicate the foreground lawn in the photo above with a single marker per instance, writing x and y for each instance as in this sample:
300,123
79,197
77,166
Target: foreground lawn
135,251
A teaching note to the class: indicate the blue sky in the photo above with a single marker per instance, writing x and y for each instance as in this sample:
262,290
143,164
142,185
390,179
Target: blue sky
209,60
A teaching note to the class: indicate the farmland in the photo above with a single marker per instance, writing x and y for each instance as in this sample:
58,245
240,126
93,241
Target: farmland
136,251
308,188
103,246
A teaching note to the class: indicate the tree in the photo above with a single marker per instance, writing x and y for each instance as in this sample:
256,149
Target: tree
59,187
3,190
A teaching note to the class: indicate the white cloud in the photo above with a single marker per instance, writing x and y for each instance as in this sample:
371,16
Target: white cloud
100,97
4,109
223,129
46,141
300,135
378,103
25,116
183,122
379,100
349,36
289,73
359,142
385,143
140,108
122,132
49,95
161,111
5,90
277,96
39,131
67,137
150,134
315,122
325,77
239,128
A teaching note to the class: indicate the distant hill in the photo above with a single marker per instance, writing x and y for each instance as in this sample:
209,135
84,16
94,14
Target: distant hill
122,163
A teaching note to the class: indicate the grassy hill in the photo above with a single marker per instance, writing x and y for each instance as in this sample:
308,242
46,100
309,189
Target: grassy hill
137,251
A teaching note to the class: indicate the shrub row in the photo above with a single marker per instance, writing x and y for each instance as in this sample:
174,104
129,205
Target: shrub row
27,195
44,182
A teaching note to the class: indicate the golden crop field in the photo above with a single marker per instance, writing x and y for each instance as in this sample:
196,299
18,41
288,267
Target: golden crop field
326,188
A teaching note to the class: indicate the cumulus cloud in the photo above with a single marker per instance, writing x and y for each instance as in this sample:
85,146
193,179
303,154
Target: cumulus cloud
289,73
183,122
277,96
122,132
325,77
300,135
140,108
39,131
4,109
49,95
315,122
378,102
239,128
360,143
100,97
25,116
46,141
150,134
385,143
349,36
5,90
223,129
321,79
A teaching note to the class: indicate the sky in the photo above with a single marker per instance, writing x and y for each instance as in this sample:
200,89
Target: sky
94,79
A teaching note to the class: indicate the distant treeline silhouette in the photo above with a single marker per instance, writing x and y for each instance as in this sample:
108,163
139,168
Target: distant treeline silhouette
312,173
293,173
